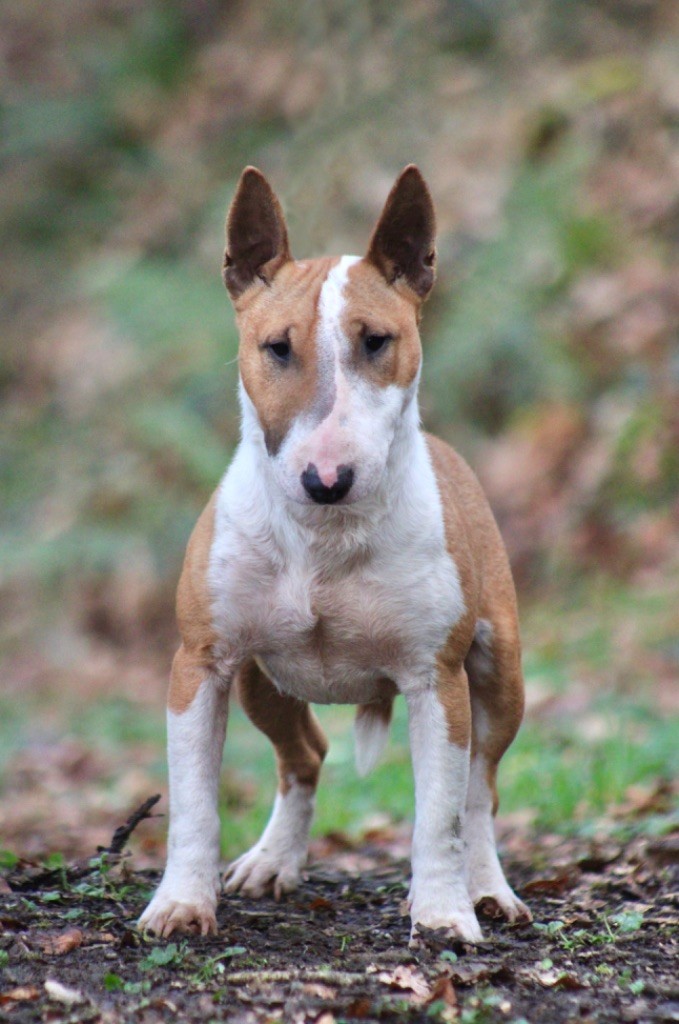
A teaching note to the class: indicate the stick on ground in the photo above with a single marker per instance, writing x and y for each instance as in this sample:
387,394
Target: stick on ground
123,832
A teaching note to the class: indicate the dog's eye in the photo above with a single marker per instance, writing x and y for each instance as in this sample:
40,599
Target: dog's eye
280,350
374,343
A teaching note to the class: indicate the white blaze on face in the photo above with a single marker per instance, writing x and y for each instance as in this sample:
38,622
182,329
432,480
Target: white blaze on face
328,442
351,421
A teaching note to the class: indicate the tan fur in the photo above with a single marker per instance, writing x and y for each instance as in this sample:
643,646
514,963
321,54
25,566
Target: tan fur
475,544
290,724
286,307
374,307
194,658
452,688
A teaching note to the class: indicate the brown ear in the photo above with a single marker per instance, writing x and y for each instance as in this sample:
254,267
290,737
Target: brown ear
403,243
256,235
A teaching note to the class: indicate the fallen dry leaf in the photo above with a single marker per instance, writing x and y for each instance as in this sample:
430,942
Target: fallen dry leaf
360,1008
319,991
320,903
163,1004
444,990
559,979
408,979
555,885
22,994
60,943
469,972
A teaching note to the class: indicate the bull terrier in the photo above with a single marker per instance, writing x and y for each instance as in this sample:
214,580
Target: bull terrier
346,557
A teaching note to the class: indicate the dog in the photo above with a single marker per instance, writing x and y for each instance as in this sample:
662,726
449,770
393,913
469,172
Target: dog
346,557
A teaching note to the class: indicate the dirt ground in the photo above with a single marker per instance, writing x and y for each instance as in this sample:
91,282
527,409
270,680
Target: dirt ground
603,945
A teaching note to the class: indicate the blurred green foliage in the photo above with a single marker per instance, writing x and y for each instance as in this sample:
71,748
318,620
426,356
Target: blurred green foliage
124,129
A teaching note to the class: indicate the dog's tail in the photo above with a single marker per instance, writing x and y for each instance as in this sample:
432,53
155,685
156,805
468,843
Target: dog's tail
371,731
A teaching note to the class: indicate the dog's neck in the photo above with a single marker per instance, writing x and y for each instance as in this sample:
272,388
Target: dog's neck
347,526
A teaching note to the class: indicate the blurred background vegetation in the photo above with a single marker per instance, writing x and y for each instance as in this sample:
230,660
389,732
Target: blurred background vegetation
548,134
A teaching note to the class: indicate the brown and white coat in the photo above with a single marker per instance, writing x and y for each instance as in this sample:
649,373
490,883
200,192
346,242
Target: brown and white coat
346,557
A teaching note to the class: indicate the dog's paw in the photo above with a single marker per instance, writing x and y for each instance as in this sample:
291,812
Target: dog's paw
490,892
260,871
503,904
165,915
455,917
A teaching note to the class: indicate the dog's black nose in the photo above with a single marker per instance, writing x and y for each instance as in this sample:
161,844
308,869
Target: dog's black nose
316,489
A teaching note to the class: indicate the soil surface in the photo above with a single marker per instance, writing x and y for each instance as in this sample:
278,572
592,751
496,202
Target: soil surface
603,945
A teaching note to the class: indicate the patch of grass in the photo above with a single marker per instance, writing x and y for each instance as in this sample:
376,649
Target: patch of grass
481,1007
608,930
581,777
214,965
170,955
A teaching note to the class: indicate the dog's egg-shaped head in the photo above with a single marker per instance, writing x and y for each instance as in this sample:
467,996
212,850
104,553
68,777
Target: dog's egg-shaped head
329,348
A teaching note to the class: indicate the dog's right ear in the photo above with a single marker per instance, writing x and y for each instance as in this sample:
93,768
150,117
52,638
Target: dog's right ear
256,234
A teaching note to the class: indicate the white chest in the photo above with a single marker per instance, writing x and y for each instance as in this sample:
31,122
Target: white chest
331,621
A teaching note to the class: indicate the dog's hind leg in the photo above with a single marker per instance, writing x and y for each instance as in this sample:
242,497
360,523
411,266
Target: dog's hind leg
496,691
275,862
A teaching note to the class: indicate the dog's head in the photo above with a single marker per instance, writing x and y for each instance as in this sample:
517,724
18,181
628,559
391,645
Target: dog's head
329,348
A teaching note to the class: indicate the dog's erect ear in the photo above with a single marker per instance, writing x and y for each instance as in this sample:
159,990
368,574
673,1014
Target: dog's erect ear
256,235
403,243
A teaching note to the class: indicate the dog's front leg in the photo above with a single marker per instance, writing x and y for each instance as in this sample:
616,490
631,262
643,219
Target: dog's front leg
186,898
440,729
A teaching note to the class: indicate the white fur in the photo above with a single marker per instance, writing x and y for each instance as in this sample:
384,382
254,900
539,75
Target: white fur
376,575
371,733
281,852
484,872
187,894
438,894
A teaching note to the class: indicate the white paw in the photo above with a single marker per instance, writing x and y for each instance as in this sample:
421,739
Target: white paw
263,870
489,883
507,902
166,914
453,911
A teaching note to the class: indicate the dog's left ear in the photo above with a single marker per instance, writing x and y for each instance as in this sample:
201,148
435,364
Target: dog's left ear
256,234
403,243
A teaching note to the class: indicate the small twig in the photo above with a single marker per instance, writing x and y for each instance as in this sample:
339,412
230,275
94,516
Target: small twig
295,974
123,832
27,880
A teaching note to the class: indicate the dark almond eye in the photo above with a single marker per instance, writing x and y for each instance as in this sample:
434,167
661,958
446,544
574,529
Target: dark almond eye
280,350
374,343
